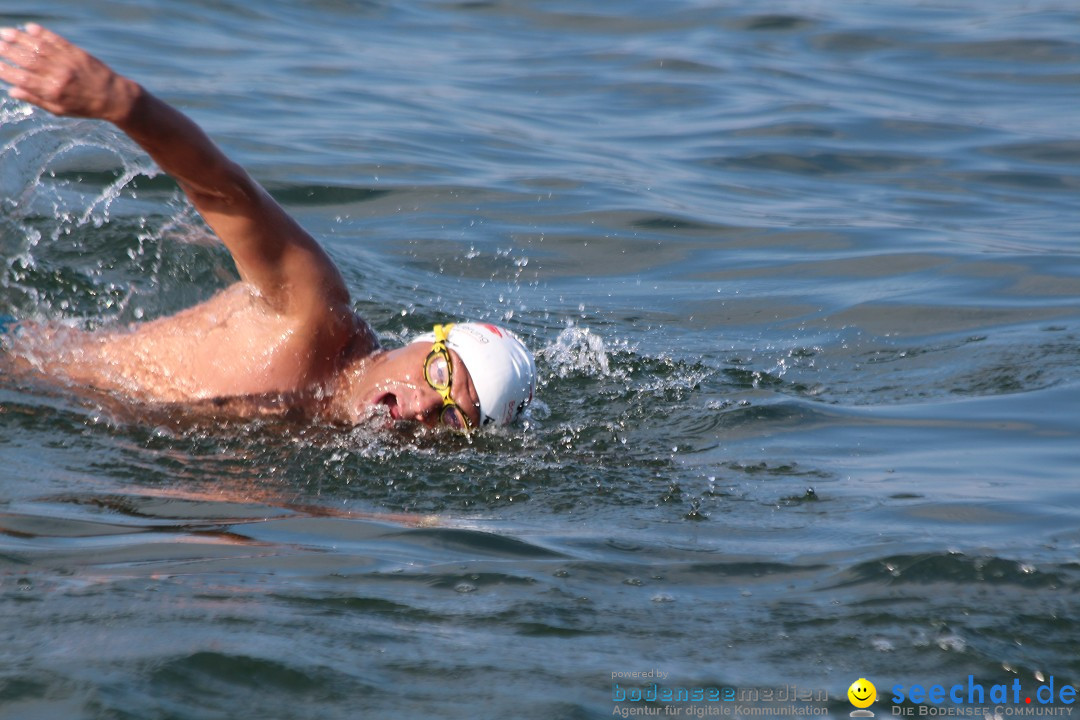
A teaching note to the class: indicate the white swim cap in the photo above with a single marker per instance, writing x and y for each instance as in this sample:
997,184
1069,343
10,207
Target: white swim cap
502,369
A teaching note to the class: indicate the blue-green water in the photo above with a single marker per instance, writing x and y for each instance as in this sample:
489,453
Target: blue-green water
803,281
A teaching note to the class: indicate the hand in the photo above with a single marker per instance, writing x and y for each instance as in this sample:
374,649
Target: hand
50,72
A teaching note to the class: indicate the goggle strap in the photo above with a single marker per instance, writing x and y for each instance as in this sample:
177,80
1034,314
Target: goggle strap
442,332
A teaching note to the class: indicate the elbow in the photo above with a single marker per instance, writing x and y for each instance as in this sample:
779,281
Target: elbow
226,186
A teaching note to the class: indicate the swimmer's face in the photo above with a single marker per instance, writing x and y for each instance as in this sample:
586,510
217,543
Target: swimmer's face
395,381
862,693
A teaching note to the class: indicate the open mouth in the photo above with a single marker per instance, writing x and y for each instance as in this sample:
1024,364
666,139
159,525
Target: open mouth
390,401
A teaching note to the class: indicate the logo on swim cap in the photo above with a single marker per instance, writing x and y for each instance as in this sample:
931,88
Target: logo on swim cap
502,369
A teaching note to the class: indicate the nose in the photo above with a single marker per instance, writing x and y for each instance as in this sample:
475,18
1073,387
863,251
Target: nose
429,404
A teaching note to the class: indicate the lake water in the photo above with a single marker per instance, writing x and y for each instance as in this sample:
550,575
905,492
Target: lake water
804,285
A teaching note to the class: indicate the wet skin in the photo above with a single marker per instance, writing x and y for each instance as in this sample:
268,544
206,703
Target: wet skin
286,330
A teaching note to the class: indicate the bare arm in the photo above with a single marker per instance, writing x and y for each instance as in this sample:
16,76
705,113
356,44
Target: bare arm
272,252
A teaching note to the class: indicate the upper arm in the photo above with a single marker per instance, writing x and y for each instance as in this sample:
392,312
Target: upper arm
272,252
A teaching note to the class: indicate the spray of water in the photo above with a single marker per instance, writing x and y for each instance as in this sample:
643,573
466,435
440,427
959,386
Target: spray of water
83,218
577,351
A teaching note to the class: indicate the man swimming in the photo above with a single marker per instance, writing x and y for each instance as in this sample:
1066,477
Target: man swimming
286,332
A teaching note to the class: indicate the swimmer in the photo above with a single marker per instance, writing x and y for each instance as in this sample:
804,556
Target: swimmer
285,336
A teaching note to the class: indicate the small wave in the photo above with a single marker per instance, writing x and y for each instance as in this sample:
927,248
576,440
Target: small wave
773,23
956,568
828,164
315,195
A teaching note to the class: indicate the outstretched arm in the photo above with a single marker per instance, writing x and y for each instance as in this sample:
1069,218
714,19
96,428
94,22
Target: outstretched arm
272,252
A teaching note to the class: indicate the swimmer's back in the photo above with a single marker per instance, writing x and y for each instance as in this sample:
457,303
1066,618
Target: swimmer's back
228,346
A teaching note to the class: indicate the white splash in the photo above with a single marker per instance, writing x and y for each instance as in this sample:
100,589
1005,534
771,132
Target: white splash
578,351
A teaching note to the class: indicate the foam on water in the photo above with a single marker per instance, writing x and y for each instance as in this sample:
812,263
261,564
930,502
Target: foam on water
577,351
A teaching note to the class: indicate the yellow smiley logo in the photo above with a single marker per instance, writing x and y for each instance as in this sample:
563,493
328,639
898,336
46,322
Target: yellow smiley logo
862,693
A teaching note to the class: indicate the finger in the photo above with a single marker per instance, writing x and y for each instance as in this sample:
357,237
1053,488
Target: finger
18,93
16,54
8,38
44,34
17,41
46,40
39,101
13,75
34,38
25,84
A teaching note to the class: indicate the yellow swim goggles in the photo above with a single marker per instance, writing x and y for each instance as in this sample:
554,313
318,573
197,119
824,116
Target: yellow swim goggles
439,373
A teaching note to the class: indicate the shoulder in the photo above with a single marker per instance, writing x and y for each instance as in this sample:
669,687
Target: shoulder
363,340
338,332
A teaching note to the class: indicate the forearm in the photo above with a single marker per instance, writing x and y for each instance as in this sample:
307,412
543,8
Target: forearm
179,146
271,250
47,70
